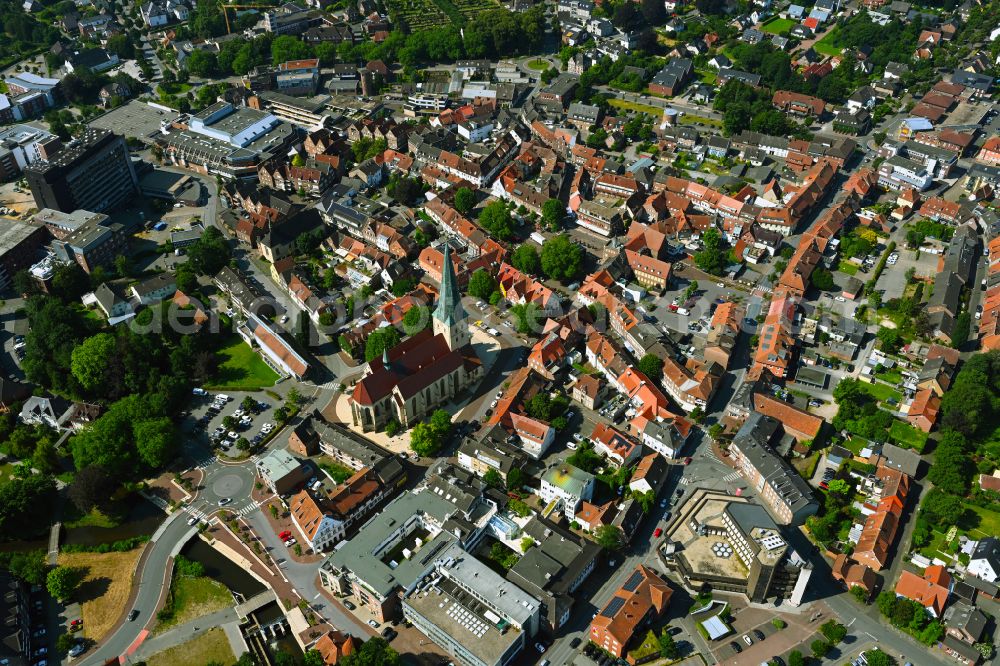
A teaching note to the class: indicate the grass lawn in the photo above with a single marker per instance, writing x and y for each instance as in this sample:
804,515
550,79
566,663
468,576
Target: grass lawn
95,518
106,586
893,376
806,467
825,45
989,522
908,436
337,472
881,392
688,119
706,76
241,369
194,598
847,268
538,64
210,647
777,26
635,106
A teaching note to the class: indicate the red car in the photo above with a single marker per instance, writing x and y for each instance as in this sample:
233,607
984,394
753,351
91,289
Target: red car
657,532
824,485
75,623
672,307
284,536
687,461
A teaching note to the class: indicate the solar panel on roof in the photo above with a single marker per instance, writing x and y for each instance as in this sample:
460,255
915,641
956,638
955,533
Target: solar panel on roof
633,581
613,607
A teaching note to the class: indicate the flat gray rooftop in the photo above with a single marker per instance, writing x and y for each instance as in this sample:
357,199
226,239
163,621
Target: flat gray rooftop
136,119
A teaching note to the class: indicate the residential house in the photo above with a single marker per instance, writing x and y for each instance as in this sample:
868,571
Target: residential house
640,601
930,590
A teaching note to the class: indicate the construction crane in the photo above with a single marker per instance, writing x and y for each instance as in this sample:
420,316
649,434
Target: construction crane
227,6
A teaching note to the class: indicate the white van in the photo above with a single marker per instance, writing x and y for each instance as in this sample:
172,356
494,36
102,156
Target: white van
683,312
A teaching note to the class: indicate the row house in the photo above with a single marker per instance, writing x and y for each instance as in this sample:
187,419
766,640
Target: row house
881,526
691,384
311,177
798,103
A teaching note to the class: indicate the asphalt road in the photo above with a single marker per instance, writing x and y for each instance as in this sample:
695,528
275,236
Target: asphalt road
153,574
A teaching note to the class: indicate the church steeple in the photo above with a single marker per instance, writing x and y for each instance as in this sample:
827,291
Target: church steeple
449,316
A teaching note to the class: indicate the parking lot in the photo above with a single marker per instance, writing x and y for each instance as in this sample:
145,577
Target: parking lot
228,418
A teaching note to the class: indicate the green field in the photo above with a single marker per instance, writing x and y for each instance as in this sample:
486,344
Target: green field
825,45
907,436
194,598
241,368
538,64
778,26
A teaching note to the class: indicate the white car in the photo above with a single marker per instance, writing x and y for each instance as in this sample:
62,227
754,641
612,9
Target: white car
840,299
199,391
571,446
284,318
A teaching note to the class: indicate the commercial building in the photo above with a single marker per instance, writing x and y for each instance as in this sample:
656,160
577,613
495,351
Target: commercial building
733,545
784,491
569,485
20,145
472,612
94,173
84,237
394,550
282,472
20,247
554,568
228,141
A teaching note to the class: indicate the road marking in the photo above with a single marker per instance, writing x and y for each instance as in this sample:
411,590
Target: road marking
317,595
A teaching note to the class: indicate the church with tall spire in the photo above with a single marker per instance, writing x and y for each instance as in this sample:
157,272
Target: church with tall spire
424,371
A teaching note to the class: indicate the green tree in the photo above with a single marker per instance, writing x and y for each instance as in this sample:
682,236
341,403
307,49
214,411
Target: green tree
209,253
525,259
515,479
374,652
493,478
651,365
833,631
65,643
379,340
889,339
313,658
562,259
713,257
424,440
610,537
795,658
287,47
553,213
840,487
202,63
495,218
942,509
668,647
63,581
91,360
822,279
878,658
465,200
482,285
416,319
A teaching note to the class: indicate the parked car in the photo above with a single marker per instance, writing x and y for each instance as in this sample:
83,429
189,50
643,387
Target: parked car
348,605
758,634
389,633
575,642
736,647
747,639
540,647
373,624
657,532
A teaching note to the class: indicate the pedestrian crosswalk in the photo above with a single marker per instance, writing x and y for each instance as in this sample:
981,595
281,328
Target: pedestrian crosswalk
733,476
248,509
197,513
685,480
711,455
205,463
